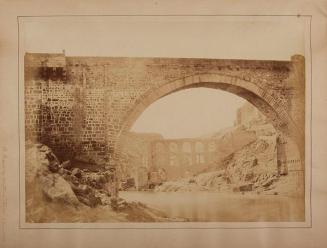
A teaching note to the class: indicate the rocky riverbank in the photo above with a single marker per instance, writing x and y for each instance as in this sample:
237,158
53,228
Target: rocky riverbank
58,192
251,169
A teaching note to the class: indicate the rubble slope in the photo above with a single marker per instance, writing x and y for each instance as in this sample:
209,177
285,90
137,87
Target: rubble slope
252,168
58,192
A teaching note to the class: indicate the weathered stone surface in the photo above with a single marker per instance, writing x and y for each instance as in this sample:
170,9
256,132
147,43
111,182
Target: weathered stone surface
52,197
81,105
41,168
57,189
58,184
246,187
89,199
269,182
81,189
54,166
33,163
76,172
66,164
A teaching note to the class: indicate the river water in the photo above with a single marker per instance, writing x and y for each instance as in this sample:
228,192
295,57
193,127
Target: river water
212,206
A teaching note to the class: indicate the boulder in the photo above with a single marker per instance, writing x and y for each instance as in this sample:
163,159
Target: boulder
269,182
254,162
249,176
243,188
61,171
192,180
246,187
105,199
74,180
90,199
51,156
53,166
118,204
81,189
102,179
57,189
66,165
42,148
38,145
34,162
77,173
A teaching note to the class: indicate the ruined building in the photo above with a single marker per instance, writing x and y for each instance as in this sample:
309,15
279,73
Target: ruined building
186,157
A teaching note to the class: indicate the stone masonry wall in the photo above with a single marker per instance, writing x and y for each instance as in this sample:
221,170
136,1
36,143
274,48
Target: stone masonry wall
79,106
65,115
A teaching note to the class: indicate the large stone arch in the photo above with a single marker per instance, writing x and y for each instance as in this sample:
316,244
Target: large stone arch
92,101
273,109
84,106
250,91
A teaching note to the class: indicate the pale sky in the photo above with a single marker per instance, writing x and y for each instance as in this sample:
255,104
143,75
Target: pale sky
186,113
206,37
190,113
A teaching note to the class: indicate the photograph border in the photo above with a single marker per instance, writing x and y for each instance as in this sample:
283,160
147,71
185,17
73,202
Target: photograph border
166,225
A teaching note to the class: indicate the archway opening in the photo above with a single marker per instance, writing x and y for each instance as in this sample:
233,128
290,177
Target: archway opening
262,99
191,132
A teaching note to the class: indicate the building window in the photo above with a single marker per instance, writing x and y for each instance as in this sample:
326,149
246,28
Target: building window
172,160
187,150
199,158
199,149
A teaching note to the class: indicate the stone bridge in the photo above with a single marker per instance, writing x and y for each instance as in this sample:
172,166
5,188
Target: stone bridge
80,106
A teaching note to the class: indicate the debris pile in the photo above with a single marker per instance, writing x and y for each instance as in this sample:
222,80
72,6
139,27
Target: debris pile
209,181
252,168
61,182
91,188
58,192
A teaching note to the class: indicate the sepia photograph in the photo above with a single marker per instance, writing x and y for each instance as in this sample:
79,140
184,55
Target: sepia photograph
163,124
157,119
